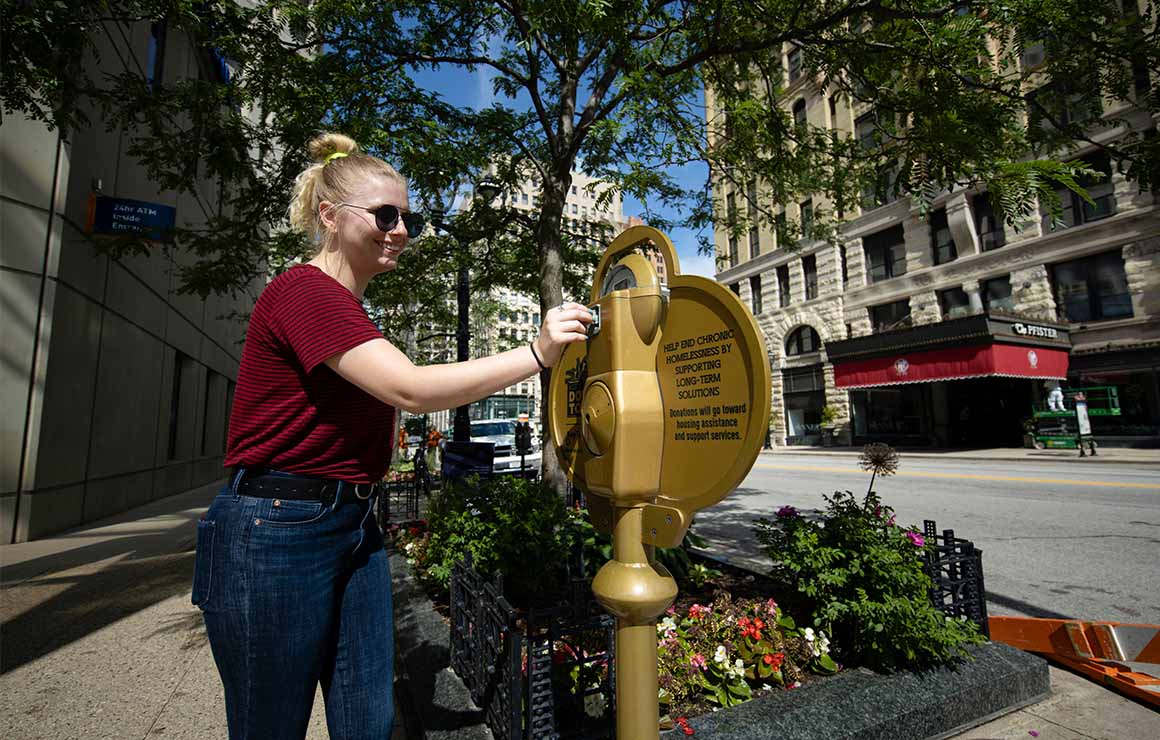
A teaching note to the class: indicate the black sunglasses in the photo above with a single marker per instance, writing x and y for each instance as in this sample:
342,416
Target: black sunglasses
387,216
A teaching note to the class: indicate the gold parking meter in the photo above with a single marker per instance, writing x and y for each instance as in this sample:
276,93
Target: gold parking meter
660,413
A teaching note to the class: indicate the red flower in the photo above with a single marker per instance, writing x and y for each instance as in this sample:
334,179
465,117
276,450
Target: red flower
773,660
684,725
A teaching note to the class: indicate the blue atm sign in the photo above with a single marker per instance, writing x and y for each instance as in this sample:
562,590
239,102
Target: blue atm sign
125,217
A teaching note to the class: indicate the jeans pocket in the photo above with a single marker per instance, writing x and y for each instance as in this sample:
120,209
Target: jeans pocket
291,513
203,564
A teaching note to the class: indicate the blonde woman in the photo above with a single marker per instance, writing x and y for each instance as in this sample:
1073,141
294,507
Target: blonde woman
290,572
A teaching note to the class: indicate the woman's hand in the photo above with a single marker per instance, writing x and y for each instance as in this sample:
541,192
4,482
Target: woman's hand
563,325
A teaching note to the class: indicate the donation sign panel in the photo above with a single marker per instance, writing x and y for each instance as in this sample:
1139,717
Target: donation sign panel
715,387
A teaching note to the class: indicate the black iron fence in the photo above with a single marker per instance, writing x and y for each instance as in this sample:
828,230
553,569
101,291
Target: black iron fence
539,674
956,567
401,501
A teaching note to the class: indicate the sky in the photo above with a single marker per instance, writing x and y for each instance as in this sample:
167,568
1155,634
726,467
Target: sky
475,90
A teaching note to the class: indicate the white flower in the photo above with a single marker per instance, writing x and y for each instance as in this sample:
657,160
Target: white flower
720,656
737,670
809,634
667,625
594,705
766,687
409,547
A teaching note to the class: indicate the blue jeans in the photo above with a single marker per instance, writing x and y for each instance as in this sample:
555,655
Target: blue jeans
294,593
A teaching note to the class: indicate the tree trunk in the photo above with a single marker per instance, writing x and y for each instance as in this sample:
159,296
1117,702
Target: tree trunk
551,295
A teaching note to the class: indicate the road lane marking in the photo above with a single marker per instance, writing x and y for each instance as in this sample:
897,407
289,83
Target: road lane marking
968,476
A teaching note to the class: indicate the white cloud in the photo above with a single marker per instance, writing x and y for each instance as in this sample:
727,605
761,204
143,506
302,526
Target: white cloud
698,264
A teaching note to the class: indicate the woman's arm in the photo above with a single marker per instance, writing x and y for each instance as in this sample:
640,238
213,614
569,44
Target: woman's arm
380,369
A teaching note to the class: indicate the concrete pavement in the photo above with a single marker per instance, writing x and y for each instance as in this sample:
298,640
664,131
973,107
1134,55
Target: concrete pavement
99,640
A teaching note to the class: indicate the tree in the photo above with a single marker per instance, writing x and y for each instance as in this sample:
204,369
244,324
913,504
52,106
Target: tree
615,88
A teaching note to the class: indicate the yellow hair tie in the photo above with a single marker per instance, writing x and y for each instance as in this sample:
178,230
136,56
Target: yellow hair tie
336,155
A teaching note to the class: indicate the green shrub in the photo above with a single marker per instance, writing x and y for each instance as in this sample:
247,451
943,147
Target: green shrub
516,527
861,577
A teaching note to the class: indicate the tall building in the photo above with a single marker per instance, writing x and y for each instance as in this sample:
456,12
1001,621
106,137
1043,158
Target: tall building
944,330
518,318
115,387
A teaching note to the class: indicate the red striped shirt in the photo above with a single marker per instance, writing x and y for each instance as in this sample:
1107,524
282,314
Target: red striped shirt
291,412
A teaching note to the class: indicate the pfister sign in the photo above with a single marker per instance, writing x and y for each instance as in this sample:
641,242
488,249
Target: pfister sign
125,217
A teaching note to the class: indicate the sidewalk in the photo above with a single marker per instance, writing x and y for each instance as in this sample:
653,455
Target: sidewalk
100,641
1121,455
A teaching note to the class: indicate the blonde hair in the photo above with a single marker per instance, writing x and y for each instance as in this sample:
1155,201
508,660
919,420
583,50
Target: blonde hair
332,178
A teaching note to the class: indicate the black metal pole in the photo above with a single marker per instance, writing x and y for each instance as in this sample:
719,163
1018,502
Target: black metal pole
462,429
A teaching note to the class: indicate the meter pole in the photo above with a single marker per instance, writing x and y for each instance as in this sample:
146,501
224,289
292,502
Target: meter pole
635,589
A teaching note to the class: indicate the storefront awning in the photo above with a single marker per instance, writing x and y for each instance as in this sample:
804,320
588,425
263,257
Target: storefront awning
953,363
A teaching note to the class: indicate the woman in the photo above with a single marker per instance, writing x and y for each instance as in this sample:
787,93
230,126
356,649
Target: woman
290,573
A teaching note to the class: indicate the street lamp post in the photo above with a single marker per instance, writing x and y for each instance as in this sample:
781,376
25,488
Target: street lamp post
486,190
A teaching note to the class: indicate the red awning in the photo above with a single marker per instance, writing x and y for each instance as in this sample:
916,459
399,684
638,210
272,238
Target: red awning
954,363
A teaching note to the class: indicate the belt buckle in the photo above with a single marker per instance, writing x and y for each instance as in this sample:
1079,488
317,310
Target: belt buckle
370,491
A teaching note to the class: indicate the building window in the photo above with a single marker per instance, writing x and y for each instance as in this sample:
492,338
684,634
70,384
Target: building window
795,64
1033,55
176,419
731,212
799,112
996,294
751,210
807,213
885,254
573,190
155,57
802,341
783,286
954,303
755,292
1074,209
779,226
941,241
866,130
574,209
810,273
891,315
1063,102
845,267
989,228
833,111
1092,289
882,189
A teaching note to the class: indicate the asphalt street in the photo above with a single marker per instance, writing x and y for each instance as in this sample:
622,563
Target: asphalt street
1059,539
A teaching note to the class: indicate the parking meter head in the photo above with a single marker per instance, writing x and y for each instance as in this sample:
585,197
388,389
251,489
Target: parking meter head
668,404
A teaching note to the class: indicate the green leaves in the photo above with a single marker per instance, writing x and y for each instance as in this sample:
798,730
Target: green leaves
862,577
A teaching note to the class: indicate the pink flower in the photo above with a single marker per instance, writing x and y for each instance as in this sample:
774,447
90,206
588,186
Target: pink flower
915,539
787,512
698,661
1033,733
890,521
771,607
697,611
671,611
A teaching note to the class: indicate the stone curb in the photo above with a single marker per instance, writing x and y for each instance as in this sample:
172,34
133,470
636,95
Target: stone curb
862,705
436,703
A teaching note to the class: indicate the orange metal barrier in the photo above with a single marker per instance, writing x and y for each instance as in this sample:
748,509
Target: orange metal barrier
1124,657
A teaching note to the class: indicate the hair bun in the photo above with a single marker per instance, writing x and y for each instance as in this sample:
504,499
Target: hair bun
324,145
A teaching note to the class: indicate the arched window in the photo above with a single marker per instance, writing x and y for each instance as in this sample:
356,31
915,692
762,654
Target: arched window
802,340
799,112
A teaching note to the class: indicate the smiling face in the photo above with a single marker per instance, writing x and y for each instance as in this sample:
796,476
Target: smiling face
355,234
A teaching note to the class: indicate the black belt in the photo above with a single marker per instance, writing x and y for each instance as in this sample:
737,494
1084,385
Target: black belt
257,482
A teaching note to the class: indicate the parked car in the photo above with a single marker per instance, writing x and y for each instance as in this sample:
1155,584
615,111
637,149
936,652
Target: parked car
502,433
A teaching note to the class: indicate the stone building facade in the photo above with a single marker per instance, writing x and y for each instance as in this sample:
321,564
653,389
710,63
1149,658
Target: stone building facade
891,269
115,386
